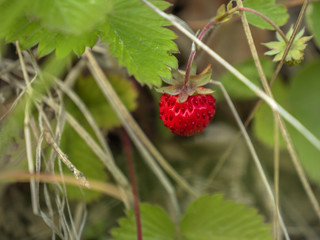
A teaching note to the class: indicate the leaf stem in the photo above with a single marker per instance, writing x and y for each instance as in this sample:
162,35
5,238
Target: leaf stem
128,152
203,32
266,19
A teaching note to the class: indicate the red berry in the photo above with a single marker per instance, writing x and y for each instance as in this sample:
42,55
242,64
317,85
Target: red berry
189,117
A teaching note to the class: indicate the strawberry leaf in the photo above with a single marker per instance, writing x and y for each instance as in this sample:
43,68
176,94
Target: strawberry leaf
156,225
212,218
31,33
72,16
277,13
136,36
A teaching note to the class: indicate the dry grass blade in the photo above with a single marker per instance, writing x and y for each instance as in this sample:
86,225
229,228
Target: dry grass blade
63,157
27,135
105,188
114,170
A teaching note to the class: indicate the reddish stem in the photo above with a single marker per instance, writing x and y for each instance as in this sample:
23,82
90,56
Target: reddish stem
193,52
128,152
267,20
216,21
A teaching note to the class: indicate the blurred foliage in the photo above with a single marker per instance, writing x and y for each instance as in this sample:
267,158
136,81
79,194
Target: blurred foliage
100,109
313,20
301,98
235,88
85,160
74,146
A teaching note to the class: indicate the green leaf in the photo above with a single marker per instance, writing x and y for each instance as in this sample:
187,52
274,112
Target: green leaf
102,112
313,19
82,157
71,17
136,36
237,89
277,13
212,218
301,99
156,225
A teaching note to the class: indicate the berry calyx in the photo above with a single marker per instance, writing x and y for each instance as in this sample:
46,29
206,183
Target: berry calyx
189,117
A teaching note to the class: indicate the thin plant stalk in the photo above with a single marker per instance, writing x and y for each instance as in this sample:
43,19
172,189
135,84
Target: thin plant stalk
27,134
130,163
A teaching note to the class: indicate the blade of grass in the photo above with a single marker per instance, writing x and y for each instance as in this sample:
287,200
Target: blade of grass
27,135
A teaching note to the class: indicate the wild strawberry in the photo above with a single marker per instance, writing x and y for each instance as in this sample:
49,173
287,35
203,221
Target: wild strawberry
186,107
189,117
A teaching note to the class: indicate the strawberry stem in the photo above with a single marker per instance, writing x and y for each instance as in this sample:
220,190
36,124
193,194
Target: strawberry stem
128,152
203,32
266,19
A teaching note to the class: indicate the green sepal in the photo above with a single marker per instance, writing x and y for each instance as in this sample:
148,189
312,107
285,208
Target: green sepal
202,78
183,97
202,90
172,90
